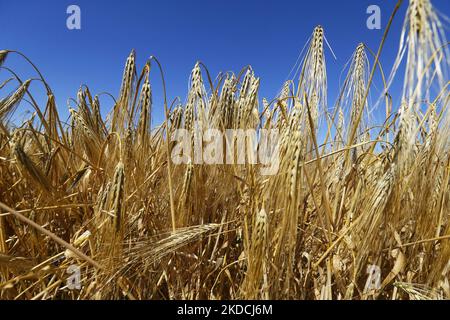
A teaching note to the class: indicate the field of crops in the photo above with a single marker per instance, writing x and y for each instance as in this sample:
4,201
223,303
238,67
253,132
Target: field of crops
358,208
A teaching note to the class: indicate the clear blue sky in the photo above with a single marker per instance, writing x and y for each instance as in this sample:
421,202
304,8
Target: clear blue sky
225,35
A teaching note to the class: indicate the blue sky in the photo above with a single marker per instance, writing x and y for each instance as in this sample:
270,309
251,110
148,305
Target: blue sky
225,35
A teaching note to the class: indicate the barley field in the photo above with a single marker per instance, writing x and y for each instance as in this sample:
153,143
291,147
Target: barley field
359,208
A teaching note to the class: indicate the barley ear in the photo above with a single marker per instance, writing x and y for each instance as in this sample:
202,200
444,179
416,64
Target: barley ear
3,56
